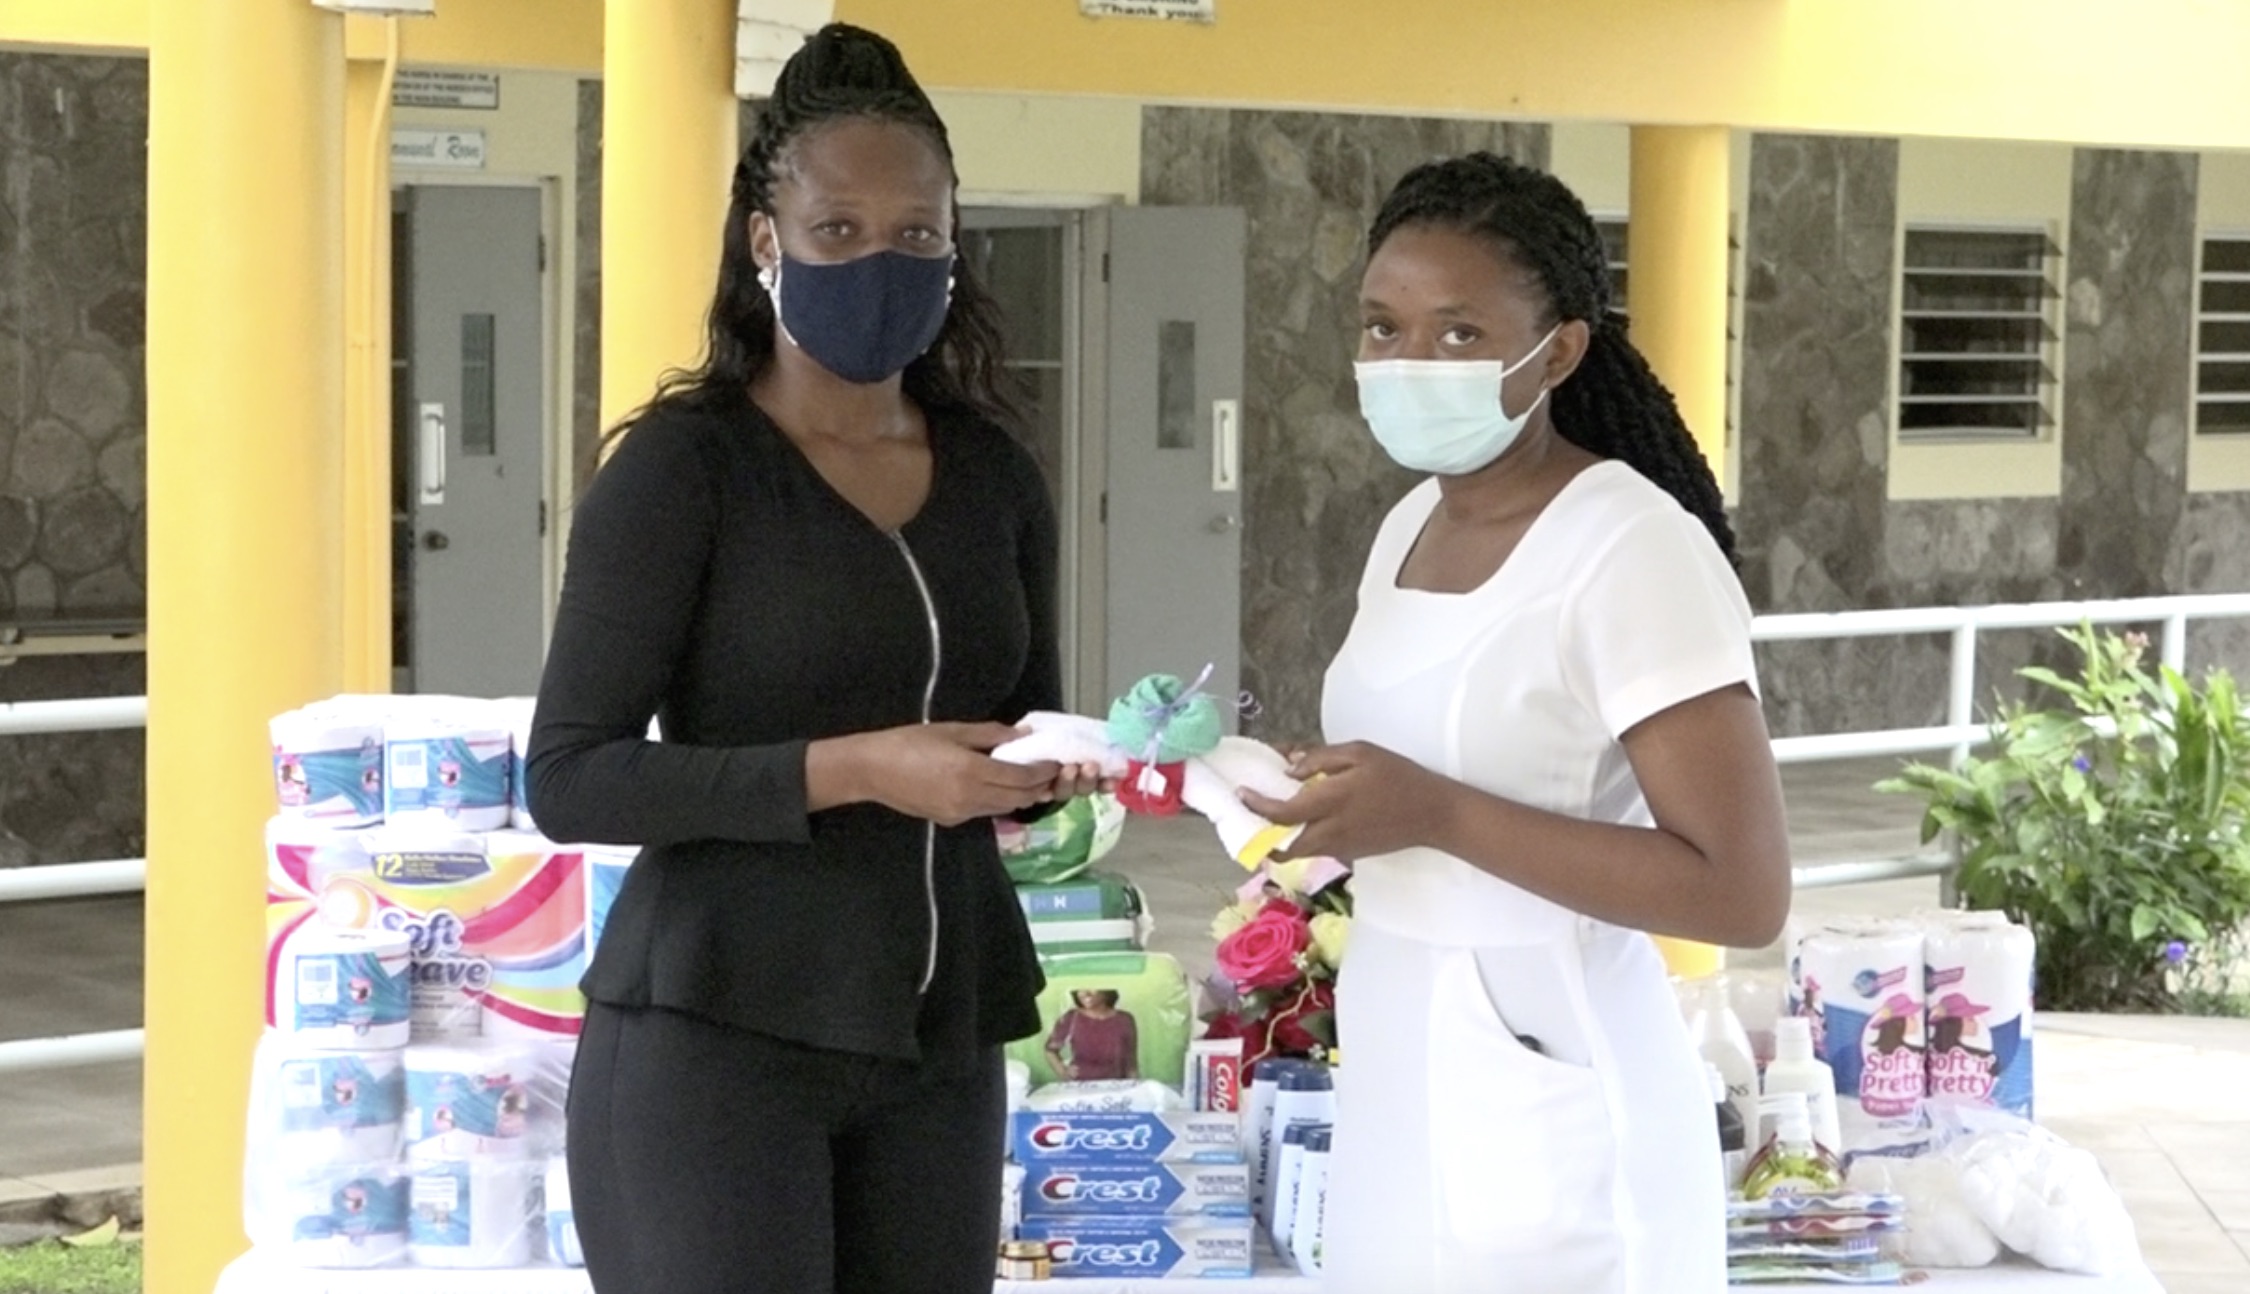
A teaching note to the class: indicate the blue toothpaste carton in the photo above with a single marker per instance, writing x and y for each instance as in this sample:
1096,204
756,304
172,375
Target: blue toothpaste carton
1083,1189
1179,1136
1193,1248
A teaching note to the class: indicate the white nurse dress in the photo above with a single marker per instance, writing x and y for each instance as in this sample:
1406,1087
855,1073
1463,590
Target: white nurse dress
1464,1161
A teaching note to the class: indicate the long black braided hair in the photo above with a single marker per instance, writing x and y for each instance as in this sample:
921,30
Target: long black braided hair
841,73
1613,405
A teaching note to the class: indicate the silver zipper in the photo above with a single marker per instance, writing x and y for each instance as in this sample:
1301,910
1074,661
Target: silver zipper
929,697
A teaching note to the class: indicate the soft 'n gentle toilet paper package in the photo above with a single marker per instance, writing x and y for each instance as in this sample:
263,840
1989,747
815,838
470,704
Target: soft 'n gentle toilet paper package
314,1109
450,772
341,1217
465,1102
328,763
342,989
472,1213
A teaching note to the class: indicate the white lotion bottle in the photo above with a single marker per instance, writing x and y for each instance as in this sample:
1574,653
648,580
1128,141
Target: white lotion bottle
1721,1041
1796,1069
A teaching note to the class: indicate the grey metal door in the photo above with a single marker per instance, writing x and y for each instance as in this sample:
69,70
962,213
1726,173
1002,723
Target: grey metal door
1172,429
474,427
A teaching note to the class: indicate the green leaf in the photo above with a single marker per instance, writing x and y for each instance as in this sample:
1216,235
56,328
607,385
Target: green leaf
2144,921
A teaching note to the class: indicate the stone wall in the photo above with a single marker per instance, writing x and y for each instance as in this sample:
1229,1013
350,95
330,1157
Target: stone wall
73,445
73,260
1315,486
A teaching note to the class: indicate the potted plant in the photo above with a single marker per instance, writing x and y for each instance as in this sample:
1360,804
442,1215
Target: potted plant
2115,823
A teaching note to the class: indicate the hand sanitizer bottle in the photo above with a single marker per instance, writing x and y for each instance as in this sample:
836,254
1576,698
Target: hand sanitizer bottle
1791,1164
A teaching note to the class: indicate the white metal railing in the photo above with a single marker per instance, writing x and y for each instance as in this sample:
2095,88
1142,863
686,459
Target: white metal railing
1959,734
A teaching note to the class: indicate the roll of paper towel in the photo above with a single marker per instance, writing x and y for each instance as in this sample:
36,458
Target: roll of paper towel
562,1223
471,1213
328,764
1979,967
343,989
344,1217
469,1103
516,712
315,1110
1864,993
303,856
447,772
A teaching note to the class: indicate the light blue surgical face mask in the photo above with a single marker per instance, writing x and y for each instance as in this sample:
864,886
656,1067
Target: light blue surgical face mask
1443,416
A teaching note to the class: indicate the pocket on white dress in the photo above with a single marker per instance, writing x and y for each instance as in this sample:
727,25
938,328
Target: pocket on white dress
1525,1150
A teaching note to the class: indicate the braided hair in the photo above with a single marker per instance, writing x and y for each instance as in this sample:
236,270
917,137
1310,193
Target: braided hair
842,73
1613,405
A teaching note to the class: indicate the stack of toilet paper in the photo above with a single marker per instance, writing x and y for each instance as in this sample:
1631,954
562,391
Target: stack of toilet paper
1936,1006
444,761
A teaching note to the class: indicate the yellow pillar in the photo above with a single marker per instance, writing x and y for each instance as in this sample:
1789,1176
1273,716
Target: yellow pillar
245,394
1677,248
367,372
668,149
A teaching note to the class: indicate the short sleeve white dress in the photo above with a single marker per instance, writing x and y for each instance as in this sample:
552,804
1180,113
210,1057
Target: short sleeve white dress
1465,1161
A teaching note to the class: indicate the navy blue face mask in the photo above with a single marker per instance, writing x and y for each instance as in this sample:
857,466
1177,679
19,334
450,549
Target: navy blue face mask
864,320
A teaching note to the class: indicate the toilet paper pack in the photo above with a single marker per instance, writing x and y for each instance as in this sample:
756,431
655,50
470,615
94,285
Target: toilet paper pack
1136,1190
1146,1247
606,866
516,712
496,923
328,763
1864,995
313,1109
341,989
1979,969
562,1220
466,1102
449,772
341,1217
471,1214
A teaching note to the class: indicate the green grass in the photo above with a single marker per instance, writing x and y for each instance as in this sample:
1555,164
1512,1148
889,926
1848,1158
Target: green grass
51,1267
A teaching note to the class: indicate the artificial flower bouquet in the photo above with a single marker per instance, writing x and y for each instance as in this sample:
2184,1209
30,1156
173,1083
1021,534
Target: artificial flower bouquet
1280,944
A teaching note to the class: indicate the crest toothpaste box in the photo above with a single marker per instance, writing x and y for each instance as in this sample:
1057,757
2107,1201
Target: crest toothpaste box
1092,1188
1146,1247
1180,1136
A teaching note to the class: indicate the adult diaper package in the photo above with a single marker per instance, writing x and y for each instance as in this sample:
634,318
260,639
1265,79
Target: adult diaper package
1146,1247
1136,1190
1211,1137
1095,912
1108,1016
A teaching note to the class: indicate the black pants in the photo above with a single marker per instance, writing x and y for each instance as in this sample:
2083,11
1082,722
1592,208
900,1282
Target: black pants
705,1159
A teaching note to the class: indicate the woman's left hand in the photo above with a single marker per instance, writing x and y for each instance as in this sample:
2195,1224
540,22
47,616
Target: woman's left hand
1358,801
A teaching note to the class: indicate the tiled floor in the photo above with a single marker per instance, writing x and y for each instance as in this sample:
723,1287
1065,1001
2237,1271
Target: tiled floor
2164,1103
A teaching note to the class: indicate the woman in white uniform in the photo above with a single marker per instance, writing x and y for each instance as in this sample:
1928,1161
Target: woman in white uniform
1545,741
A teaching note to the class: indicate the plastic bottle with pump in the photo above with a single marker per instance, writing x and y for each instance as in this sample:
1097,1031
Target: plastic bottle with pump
1791,1163
1796,1069
1721,1041
1734,1153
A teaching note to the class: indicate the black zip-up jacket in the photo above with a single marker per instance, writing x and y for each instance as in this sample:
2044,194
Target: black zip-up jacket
717,581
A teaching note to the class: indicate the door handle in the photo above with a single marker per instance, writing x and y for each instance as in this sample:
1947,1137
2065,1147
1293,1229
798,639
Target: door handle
436,541
1221,524
1226,446
433,452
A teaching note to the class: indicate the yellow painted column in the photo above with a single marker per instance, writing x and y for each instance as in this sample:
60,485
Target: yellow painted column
668,150
367,371
1677,251
245,397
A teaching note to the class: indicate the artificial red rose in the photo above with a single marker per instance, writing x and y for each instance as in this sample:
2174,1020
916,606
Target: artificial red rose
1304,1021
1263,954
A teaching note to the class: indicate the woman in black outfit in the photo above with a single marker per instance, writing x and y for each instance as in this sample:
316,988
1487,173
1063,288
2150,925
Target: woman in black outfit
830,573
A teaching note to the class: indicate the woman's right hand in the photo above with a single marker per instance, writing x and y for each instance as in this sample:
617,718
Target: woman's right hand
942,771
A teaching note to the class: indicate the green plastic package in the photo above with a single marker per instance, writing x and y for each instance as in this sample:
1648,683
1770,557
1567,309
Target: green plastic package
1064,843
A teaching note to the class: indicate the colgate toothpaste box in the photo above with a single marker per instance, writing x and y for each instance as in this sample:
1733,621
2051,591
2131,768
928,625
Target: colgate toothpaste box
1146,1247
1089,1188
1181,1136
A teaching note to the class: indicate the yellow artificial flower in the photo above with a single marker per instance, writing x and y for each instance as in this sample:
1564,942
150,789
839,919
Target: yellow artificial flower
1330,932
1231,918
